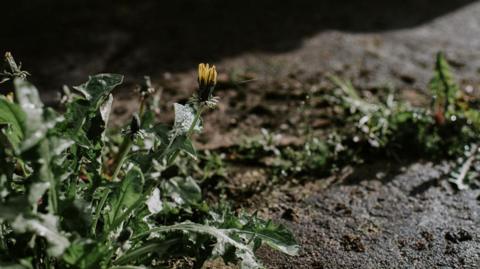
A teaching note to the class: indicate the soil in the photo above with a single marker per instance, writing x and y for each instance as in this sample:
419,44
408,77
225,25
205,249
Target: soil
271,56
409,219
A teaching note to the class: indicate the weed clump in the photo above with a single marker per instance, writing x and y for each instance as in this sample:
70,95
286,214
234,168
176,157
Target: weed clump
74,195
384,128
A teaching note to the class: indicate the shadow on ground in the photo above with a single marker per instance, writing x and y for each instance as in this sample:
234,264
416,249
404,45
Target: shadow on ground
63,41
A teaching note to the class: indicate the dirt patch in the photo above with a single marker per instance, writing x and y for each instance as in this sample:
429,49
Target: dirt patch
384,223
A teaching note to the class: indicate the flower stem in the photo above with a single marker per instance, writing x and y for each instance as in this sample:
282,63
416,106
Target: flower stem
127,143
195,121
122,155
98,211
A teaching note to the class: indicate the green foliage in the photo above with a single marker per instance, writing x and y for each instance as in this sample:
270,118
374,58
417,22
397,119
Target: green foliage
12,120
311,157
75,196
450,130
443,88
384,128
466,169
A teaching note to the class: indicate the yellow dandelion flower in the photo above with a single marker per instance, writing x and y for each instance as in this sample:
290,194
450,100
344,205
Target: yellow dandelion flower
207,78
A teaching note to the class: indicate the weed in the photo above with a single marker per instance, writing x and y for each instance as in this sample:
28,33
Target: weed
385,128
73,195
447,130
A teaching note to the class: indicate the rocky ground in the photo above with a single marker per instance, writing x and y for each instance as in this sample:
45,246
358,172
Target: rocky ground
270,57
408,219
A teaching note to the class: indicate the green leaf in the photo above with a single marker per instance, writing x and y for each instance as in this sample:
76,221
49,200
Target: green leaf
443,86
13,266
13,117
41,158
275,236
98,87
75,252
44,226
183,190
29,101
256,231
187,146
76,215
244,239
161,131
224,241
181,143
86,254
95,103
126,197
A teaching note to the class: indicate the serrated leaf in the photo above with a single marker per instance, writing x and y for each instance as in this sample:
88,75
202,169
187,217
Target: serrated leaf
275,236
460,176
239,238
223,241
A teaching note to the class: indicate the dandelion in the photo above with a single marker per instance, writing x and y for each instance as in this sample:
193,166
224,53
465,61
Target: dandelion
207,78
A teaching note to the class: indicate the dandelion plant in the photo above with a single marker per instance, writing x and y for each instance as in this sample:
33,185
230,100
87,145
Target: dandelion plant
75,195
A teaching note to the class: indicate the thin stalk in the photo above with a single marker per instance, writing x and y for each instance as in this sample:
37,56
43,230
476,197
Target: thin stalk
126,144
47,172
142,106
122,155
3,241
53,195
98,210
195,121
